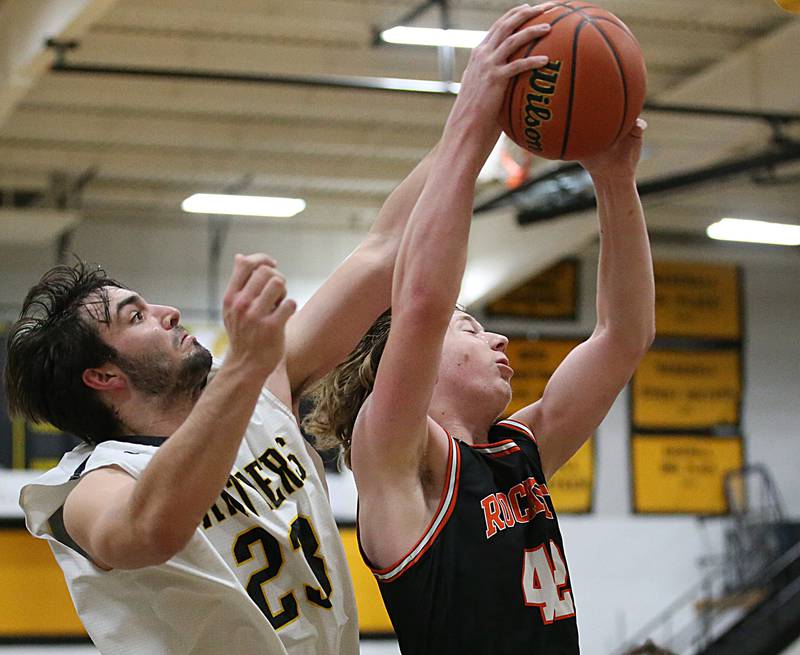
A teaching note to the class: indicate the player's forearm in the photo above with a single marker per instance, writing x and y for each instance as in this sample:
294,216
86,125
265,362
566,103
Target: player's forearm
187,474
432,257
341,311
625,288
396,209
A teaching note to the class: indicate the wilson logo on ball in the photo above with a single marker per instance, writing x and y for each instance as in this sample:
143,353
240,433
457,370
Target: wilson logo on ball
542,84
590,93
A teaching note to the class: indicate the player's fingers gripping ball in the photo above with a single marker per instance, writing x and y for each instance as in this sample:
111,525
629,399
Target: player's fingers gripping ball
590,92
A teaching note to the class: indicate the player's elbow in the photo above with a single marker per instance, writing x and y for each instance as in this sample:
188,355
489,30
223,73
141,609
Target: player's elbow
152,538
629,343
424,304
635,336
149,548
134,547
378,251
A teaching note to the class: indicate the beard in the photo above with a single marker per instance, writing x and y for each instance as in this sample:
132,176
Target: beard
157,376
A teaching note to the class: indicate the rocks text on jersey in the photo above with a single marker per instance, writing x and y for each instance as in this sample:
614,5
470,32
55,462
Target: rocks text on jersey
523,502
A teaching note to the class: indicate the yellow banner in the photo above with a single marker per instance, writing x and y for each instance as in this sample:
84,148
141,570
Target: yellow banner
697,300
682,389
572,485
36,602
33,594
550,294
682,474
533,362
372,616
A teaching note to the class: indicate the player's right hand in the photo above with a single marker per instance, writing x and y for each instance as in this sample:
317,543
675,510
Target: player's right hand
486,76
255,311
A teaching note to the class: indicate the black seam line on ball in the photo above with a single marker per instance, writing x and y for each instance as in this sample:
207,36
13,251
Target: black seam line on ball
574,72
622,77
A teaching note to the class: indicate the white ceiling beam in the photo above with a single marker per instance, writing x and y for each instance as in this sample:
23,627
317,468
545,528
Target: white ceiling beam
318,106
198,164
267,134
153,49
762,76
34,226
25,25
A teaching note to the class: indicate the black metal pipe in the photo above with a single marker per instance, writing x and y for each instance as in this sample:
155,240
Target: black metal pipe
361,83
394,84
770,116
787,152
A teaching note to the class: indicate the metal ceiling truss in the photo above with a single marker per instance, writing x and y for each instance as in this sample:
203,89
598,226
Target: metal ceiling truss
570,190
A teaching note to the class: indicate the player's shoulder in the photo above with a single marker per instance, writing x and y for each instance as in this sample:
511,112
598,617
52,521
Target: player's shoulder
510,429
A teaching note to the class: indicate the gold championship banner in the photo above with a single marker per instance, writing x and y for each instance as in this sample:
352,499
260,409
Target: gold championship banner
674,390
534,362
36,603
550,294
372,616
33,593
679,474
697,300
572,486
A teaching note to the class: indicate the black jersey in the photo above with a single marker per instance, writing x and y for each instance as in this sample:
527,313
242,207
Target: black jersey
489,574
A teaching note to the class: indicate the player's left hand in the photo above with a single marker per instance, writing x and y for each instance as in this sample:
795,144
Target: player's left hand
621,159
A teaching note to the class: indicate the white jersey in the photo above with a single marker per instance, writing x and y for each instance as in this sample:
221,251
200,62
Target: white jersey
265,572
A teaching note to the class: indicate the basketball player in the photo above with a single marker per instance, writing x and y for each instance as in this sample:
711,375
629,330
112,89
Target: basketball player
455,519
194,519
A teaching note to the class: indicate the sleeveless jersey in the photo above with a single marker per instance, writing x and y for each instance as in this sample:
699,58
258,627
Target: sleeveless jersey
265,572
488,576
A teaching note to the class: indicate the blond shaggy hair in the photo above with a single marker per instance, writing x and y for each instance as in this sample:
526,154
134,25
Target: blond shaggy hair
337,398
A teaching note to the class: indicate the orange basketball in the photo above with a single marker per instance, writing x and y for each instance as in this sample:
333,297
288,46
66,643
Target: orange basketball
587,96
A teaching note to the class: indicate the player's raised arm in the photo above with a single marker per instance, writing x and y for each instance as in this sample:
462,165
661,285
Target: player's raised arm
122,522
582,389
391,432
327,327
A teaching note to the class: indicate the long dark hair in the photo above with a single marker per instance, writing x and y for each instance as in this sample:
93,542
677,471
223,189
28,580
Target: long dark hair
53,343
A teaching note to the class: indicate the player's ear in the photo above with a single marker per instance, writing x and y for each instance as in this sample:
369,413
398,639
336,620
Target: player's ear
104,378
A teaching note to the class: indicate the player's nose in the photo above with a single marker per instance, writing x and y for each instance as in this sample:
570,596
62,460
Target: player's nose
170,316
498,341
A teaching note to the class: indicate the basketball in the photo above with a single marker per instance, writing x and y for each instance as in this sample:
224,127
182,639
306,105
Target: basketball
590,92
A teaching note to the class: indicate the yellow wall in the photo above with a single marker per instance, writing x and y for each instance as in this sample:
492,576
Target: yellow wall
36,603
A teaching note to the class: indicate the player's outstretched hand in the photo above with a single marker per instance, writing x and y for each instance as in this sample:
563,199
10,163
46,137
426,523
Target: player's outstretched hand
621,159
255,311
486,76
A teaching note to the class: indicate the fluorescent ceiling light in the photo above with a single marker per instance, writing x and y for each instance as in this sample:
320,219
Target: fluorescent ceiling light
217,203
736,229
433,36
